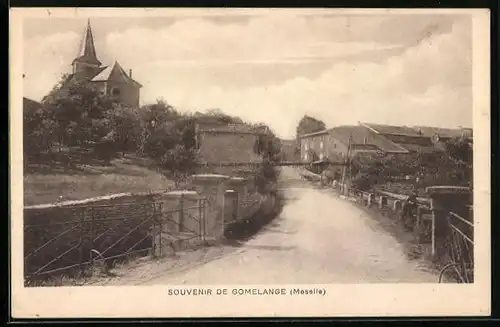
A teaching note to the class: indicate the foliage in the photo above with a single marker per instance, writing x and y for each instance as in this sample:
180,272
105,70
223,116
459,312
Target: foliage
75,114
460,150
269,147
81,112
440,168
38,129
309,124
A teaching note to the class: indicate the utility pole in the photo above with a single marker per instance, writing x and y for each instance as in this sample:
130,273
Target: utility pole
346,160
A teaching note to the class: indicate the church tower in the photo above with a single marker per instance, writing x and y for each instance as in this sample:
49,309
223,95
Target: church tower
86,63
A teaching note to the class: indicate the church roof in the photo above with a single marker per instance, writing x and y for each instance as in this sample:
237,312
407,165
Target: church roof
115,71
87,49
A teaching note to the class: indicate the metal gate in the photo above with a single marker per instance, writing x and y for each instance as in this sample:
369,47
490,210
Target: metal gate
460,245
71,240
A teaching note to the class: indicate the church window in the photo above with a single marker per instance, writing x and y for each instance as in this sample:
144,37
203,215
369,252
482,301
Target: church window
115,91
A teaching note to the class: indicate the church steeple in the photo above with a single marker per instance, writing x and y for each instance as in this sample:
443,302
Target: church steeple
87,57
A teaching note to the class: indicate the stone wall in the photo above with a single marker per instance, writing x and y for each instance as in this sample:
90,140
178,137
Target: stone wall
155,223
228,147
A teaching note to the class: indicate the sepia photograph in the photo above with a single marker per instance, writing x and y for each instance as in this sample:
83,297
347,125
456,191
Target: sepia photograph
227,155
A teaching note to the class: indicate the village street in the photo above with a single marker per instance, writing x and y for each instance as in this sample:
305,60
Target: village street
318,238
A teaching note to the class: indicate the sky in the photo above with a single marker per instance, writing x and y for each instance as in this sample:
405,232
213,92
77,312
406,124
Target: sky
276,67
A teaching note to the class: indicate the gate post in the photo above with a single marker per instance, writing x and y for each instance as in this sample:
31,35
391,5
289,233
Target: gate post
238,184
382,202
443,200
213,188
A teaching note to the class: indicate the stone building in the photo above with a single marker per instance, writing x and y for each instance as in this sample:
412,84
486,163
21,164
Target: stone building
112,80
409,138
224,144
333,144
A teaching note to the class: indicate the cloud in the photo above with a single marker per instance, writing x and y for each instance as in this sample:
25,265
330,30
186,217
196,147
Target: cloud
429,83
45,58
277,69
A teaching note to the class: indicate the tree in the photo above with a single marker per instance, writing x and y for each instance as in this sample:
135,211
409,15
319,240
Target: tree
125,128
180,161
80,110
460,150
309,124
38,129
217,116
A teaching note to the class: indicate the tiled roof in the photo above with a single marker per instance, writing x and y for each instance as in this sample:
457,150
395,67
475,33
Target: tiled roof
229,128
325,131
107,73
392,129
444,132
30,105
359,134
422,149
103,75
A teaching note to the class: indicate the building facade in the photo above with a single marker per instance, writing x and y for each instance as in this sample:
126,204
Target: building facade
224,144
421,139
113,81
334,144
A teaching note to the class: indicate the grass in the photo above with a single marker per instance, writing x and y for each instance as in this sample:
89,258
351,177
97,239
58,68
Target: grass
124,175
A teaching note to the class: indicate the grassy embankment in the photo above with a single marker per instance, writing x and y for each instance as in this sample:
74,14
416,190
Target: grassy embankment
50,183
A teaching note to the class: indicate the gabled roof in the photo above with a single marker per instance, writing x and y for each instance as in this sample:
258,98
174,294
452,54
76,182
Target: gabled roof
426,149
359,134
229,128
444,132
392,129
87,51
322,132
114,72
103,75
30,105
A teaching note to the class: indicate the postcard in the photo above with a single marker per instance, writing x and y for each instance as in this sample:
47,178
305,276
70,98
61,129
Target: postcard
227,162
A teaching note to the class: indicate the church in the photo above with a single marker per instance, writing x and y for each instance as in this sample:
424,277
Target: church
113,80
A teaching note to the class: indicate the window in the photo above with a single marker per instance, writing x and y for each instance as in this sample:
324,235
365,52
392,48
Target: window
321,145
321,155
306,147
115,91
305,156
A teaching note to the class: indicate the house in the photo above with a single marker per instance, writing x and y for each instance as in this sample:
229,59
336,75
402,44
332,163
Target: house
409,138
289,150
333,144
438,134
112,80
227,143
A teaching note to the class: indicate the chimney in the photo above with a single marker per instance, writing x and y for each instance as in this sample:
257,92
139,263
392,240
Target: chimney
130,73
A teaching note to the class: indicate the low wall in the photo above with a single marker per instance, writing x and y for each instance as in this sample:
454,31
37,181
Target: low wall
62,235
58,236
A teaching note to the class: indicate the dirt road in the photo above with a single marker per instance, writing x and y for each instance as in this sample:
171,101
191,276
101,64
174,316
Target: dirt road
318,238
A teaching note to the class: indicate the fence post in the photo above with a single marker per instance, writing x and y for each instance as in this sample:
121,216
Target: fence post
433,229
153,233
200,218
92,217
181,213
213,187
82,221
418,221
